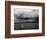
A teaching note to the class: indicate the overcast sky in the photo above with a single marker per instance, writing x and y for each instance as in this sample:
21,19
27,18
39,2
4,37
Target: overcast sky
26,12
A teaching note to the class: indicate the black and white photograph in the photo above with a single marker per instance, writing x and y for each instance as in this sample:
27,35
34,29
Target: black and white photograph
26,19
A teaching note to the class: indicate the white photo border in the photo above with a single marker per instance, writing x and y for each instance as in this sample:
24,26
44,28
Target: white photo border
26,31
